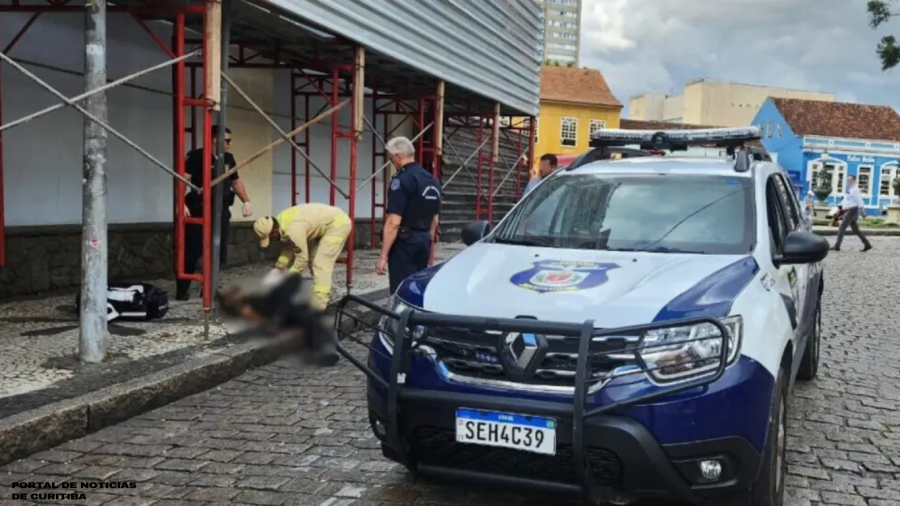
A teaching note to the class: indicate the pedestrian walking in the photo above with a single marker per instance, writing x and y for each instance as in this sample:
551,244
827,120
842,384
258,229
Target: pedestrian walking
547,166
411,215
853,207
193,204
313,235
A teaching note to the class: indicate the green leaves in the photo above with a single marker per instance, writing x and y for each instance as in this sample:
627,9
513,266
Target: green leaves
879,12
888,50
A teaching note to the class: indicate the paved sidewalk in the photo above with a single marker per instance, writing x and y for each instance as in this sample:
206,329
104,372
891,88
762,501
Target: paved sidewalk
828,230
39,337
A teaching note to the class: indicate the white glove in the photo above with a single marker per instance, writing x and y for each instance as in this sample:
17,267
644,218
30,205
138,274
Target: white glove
187,212
272,278
247,210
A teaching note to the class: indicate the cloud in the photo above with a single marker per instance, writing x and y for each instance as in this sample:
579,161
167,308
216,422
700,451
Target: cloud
658,45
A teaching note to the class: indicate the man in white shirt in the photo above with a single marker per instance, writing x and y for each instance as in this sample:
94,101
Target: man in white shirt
853,208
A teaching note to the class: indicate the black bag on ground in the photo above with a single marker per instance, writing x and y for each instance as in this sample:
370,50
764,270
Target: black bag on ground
133,301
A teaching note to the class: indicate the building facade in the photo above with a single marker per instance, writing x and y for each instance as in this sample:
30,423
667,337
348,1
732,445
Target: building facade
713,102
562,31
849,139
574,103
481,65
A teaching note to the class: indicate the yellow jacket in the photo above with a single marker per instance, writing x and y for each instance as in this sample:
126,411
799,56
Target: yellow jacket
300,224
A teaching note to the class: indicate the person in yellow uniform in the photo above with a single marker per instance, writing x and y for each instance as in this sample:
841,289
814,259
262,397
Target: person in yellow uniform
313,234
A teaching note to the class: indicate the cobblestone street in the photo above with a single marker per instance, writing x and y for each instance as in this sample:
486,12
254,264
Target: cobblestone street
288,435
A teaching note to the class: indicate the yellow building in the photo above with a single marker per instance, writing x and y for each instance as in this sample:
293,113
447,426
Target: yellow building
574,103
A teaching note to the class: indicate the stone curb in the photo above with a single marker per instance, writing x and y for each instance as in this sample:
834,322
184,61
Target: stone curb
874,232
50,425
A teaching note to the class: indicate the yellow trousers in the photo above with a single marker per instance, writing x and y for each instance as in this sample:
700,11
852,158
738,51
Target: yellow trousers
323,255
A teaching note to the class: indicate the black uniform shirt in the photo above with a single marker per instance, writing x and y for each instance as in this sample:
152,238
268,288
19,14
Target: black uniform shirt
193,167
415,195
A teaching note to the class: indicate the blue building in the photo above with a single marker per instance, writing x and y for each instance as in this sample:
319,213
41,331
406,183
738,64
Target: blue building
852,139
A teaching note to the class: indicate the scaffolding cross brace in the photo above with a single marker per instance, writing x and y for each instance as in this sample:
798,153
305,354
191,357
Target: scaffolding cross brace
73,103
83,96
284,135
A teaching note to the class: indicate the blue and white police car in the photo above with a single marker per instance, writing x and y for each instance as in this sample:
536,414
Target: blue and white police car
630,330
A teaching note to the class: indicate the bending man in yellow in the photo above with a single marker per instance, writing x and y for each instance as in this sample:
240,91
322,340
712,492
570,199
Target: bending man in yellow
313,234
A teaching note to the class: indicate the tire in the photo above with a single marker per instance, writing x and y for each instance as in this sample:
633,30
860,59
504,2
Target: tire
769,487
809,367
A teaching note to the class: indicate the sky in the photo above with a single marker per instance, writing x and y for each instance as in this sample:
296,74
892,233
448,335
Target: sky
819,45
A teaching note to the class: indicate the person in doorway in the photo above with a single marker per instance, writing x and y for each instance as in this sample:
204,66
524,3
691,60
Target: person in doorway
547,165
853,207
193,207
411,215
314,235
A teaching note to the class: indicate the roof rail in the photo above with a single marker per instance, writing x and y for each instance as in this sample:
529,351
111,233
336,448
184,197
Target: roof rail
675,140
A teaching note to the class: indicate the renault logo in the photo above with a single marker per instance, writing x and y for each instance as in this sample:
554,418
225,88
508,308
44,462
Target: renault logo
521,349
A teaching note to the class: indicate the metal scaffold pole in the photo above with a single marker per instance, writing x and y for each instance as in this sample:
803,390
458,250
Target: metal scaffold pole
93,330
218,217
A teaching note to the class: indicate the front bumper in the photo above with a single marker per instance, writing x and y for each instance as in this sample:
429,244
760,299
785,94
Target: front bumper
623,461
604,456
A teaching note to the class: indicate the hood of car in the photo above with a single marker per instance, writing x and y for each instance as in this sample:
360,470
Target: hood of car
611,288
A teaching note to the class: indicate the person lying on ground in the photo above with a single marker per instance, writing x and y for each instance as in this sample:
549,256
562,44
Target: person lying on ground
280,307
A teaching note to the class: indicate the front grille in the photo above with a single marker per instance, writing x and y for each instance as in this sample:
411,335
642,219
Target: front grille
476,354
434,446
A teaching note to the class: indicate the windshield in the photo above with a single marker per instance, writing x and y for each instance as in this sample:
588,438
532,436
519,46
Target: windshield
657,213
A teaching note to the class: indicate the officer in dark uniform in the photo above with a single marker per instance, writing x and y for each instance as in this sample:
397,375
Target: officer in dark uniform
193,201
411,216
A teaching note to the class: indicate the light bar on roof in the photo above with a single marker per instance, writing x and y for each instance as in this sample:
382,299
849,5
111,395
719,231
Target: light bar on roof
666,139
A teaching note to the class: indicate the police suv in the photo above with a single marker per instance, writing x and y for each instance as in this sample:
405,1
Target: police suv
630,330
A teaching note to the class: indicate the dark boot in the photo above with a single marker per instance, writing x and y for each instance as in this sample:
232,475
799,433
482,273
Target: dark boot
322,349
182,290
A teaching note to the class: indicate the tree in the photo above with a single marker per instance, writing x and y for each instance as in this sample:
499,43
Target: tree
880,12
570,64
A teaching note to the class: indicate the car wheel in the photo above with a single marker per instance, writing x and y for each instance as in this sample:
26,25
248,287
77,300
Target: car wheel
769,487
809,367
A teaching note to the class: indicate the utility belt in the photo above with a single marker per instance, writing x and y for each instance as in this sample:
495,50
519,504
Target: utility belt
406,232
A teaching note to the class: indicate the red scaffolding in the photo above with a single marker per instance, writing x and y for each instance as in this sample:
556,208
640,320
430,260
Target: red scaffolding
489,158
330,79
177,49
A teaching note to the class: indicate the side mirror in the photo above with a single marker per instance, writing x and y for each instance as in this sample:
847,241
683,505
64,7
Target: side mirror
474,232
803,247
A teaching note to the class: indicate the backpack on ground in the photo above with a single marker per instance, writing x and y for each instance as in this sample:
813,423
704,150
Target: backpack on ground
137,301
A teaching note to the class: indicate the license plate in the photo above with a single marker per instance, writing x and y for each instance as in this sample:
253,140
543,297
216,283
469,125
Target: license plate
506,430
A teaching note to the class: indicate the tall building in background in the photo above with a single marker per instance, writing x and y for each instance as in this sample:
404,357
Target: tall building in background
562,30
713,102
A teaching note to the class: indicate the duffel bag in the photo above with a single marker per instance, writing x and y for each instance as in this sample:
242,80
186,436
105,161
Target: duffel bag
137,301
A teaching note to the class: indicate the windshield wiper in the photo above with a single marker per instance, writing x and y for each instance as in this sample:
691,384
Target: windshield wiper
658,249
661,249
525,242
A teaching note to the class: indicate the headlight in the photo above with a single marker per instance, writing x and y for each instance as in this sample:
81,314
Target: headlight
389,327
678,353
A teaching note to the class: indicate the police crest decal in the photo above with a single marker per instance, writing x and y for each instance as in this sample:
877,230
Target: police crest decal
562,276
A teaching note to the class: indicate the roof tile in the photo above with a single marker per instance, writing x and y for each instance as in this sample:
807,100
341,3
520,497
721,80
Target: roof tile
840,119
575,85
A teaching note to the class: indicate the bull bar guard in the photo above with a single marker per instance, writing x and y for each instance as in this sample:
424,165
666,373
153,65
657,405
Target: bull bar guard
405,345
